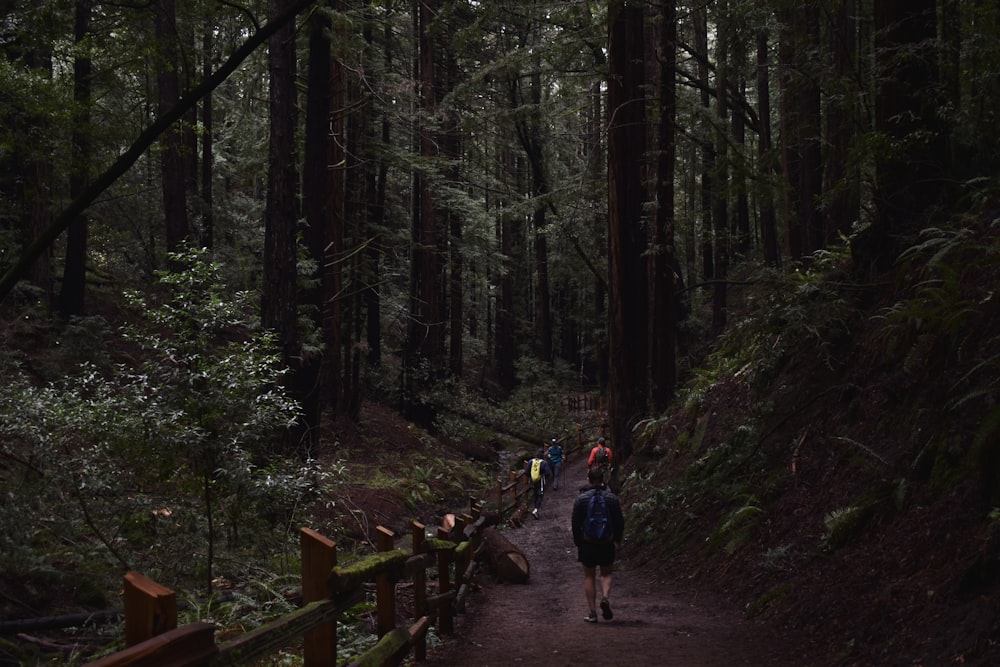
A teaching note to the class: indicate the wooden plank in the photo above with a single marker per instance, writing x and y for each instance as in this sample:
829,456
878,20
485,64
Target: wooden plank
192,645
393,647
347,579
319,557
281,632
150,609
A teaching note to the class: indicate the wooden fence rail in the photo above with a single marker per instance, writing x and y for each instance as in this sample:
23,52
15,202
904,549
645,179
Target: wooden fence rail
328,590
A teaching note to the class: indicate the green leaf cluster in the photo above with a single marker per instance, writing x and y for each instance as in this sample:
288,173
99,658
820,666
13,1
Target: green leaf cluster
152,459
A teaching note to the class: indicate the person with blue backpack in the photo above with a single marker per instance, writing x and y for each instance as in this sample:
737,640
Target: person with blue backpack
598,526
555,456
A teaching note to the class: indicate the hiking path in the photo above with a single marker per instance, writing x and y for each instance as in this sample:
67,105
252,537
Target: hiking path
541,622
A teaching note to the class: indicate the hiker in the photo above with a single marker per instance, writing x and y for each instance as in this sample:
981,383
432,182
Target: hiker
538,472
555,456
600,458
597,531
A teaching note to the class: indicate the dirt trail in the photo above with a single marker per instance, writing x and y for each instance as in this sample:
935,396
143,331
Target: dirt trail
541,623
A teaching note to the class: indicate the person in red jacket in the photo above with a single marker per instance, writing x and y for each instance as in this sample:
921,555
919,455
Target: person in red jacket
600,459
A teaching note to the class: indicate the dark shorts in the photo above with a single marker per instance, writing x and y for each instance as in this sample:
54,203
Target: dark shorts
594,555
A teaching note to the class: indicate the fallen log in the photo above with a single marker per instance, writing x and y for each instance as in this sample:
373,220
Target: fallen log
59,622
509,564
517,518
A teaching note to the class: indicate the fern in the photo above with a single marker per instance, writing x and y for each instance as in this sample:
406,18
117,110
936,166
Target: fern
843,525
736,529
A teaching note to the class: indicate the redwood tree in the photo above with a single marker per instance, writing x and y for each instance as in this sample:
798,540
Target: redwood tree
425,336
662,310
627,240
172,163
73,290
279,299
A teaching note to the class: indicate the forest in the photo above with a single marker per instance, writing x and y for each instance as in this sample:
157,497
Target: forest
239,238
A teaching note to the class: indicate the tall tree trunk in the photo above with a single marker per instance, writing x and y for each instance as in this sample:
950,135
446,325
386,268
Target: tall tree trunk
355,208
452,146
808,125
543,290
172,162
529,132
841,182
791,157
38,174
720,177
335,208
73,291
509,233
627,240
741,228
278,300
599,223
662,306
768,219
706,141
207,146
425,338
373,325
315,182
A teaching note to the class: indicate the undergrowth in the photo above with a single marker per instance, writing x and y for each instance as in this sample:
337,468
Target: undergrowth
710,457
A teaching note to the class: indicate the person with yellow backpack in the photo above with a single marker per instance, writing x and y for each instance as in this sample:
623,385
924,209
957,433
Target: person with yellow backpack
539,473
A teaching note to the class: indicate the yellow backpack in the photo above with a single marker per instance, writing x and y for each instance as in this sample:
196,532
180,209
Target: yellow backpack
536,470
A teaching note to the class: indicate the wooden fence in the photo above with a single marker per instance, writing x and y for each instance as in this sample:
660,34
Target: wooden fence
588,402
153,639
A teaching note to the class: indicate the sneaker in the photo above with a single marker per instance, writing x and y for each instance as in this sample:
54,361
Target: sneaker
606,610
591,617
534,512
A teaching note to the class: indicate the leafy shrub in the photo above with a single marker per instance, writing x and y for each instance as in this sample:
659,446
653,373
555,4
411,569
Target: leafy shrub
157,457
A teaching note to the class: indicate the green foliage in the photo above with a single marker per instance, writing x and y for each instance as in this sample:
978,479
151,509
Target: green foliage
943,317
771,598
733,477
944,330
783,313
147,456
736,529
844,524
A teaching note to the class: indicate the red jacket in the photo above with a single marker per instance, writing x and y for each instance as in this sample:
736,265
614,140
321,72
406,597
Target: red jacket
593,456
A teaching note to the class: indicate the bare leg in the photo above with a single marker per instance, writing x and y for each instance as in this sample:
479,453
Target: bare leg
606,571
590,587
605,592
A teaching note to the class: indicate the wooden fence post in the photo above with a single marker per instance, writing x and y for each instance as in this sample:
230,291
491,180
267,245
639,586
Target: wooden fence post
319,557
385,587
445,623
419,591
150,609
463,565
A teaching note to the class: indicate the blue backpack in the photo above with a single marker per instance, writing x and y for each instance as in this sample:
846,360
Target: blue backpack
597,526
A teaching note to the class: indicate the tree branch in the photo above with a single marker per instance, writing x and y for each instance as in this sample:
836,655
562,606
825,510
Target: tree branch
139,146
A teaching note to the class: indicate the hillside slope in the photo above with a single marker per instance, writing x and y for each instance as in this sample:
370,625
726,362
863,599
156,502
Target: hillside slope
836,471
